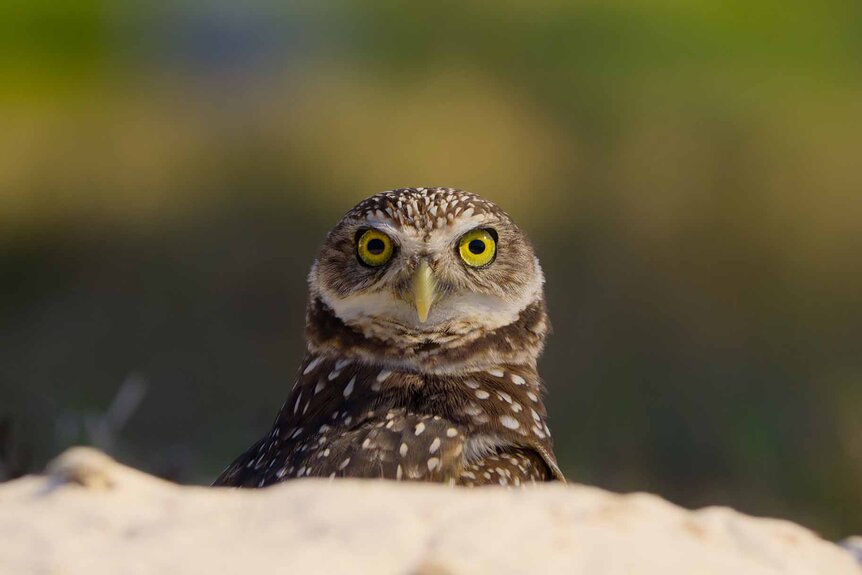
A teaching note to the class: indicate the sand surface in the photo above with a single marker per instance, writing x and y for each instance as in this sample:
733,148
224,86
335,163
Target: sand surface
91,515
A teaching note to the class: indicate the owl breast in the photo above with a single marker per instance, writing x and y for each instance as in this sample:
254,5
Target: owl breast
344,418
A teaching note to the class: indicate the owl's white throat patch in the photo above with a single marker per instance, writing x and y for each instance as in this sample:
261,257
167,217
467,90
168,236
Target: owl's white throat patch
455,319
445,315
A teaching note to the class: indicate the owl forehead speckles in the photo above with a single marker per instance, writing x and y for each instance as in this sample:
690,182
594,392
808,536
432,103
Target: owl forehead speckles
425,320
424,209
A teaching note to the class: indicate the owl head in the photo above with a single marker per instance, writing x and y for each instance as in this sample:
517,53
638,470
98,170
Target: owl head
426,266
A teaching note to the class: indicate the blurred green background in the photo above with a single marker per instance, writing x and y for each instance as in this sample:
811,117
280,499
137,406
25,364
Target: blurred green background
689,171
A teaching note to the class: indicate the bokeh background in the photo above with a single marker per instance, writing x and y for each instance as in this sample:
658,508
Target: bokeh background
689,171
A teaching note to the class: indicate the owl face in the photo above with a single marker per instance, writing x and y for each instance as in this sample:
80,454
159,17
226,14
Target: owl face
426,262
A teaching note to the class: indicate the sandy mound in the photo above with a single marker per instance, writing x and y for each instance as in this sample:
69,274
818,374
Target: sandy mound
92,515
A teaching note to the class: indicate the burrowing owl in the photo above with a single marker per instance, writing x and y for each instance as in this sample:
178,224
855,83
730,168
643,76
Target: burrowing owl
425,318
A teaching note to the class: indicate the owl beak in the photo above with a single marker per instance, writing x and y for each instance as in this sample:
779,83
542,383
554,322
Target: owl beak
423,290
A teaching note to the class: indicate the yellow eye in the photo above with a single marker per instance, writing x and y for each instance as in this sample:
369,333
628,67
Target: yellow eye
374,248
477,248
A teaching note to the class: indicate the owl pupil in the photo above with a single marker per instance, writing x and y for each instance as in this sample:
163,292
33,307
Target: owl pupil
476,247
376,246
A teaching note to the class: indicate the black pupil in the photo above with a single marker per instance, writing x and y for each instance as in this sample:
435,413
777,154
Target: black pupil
476,246
376,246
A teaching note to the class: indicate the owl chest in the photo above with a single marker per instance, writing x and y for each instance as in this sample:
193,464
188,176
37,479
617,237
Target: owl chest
335,399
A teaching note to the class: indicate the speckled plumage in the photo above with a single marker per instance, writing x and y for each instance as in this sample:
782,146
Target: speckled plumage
456,398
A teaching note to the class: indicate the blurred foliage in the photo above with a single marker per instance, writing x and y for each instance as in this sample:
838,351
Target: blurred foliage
689,171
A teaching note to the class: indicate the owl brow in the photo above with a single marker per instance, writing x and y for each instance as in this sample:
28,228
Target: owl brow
449,237
379,225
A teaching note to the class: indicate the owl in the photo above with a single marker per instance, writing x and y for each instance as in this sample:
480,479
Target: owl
424,322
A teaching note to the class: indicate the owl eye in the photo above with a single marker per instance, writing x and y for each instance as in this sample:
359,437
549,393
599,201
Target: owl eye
477,248
374,248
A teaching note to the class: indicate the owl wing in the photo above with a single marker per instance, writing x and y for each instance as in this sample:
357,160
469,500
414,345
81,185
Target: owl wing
511,467
402,446
548,458
242,472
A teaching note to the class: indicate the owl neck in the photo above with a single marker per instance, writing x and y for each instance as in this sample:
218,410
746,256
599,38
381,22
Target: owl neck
518,343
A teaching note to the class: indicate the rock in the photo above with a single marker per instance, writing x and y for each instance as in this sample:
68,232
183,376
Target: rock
92,515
